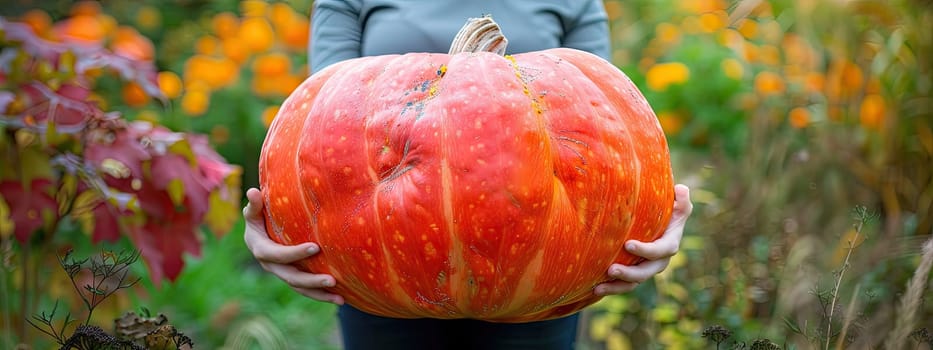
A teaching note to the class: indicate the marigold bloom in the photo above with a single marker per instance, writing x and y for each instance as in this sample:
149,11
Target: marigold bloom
670,122
256,33
272,64
195,102
38,20
662,75
872,111
799,117
269,114
133,95
732,68
170,84
128,42
81,28
769,83
225,25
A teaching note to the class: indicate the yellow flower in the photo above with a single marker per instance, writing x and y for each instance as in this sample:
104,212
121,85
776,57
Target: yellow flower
662,75
732,68
713,21
253,8
748,28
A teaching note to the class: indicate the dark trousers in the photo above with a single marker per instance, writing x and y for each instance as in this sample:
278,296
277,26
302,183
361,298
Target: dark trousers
363,331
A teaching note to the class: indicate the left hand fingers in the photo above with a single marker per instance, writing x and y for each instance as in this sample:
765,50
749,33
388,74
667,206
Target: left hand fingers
638,273
669,243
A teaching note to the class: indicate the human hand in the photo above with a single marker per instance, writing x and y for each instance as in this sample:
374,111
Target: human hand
657,253
277,258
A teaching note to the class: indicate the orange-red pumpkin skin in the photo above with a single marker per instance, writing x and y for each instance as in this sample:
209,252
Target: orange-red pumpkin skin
469,185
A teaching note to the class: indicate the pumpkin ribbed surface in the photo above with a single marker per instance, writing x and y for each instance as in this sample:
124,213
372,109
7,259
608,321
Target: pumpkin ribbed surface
467,185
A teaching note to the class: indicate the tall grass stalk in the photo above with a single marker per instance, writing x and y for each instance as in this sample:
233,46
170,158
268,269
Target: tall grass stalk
863,217
910,303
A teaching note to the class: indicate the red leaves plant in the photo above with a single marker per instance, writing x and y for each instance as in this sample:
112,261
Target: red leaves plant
64,157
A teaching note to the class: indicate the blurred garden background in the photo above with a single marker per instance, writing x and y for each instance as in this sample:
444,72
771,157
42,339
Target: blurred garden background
803,127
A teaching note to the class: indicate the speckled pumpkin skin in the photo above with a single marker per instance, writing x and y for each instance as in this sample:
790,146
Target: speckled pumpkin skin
469,185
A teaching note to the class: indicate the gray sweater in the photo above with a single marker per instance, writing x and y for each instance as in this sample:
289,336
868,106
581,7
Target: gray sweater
344,29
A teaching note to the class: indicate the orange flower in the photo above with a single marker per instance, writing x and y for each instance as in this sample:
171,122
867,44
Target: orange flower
133,95
206,45
127,42
769,83
257,34
799,117
195,102
872,111
281,12
667,33
662,75
713,21
813,82
38,20
289,83
272,64
215,72
670,122
843,79
234,49
170,84
85,8
748,28
81,28
294,34
225,25
268,115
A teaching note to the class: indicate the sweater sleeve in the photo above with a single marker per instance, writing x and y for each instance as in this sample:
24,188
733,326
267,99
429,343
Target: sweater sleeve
336,32
589,31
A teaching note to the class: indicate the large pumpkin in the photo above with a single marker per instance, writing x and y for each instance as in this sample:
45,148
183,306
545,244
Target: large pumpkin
469,184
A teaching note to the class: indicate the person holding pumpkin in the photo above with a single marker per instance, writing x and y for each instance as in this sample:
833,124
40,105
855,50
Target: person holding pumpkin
345,29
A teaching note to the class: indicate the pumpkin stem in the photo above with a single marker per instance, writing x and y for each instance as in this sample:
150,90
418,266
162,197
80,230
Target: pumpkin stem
479,35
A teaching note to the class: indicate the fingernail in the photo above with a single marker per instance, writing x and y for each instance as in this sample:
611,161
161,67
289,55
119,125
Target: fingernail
616,271
629,246
329,283
600,291
313,249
